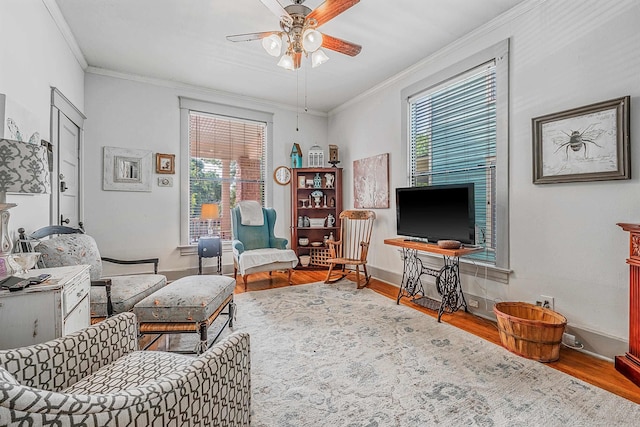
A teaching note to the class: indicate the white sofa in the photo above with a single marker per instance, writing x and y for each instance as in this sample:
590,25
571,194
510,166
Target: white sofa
97,377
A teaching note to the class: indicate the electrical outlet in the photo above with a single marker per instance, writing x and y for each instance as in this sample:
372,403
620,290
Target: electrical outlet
546,302
568,339
473,303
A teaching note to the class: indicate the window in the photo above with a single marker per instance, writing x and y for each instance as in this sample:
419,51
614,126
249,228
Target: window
226,163
455,135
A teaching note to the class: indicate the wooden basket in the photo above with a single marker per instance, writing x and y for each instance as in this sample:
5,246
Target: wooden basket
529,330
319,256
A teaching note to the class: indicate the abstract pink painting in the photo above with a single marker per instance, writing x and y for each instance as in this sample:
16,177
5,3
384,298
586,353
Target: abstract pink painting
371,182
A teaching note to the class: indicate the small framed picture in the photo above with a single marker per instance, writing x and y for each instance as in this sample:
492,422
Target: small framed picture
301,181
165,163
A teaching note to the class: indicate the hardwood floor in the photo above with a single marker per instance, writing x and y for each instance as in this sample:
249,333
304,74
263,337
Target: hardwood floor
595,371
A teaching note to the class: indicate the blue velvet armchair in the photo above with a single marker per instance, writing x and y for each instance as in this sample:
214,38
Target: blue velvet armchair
257,249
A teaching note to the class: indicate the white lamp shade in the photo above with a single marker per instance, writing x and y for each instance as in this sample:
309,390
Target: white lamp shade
24,167
311,40
286,62
272,44
318,58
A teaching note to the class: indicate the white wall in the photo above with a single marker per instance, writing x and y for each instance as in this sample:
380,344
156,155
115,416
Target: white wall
122,112
34,57
563,237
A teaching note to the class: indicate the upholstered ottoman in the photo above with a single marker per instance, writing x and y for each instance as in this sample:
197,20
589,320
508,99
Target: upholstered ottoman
189,304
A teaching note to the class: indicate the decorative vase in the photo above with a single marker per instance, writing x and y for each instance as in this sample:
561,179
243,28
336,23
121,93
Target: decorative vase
317,181
305,260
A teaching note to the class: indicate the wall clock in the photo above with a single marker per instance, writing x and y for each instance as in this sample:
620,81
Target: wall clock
282,175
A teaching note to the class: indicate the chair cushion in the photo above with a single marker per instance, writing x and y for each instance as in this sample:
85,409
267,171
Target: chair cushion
260,257
71,249
189,299
133,370
126,291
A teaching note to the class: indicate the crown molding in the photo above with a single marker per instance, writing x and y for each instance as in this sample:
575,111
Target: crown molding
487,28
200,89
65,30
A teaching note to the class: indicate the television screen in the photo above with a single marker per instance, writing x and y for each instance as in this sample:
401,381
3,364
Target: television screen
437,212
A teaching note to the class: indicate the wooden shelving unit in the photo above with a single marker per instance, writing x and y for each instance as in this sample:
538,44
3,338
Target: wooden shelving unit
303,204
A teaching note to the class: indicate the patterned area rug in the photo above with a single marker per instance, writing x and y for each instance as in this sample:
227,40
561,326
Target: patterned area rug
332,355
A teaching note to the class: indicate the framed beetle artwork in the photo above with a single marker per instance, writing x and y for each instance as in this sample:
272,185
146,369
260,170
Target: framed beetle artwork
589,143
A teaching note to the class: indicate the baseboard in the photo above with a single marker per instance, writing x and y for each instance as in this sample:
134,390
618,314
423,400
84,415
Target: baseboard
595,343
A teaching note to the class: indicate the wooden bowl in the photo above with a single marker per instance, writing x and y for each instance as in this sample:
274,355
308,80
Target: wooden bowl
449,244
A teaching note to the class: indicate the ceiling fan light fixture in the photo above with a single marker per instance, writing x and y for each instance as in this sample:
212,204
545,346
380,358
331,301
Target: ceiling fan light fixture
311,40
272,44
318,58
286,62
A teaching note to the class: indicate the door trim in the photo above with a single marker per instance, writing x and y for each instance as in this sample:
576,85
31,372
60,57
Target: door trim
60,104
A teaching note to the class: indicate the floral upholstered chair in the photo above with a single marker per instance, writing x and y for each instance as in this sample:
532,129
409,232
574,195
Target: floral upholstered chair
255,246
109,295
96,377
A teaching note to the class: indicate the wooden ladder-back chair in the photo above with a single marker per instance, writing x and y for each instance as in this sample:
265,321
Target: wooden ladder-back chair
353,244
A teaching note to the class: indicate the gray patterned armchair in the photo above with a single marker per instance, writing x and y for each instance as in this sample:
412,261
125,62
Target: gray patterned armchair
109,295
95,377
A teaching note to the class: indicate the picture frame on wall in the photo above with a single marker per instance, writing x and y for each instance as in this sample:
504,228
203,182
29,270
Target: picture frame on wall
371,182
165,163
589,143
126,169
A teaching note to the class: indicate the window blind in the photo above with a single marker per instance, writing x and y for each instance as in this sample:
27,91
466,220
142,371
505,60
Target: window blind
226,165
452,137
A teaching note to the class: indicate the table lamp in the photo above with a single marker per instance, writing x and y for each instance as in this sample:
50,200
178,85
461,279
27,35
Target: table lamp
24,168
209,211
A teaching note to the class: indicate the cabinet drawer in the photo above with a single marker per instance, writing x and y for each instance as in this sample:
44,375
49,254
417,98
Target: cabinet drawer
74,292
78,318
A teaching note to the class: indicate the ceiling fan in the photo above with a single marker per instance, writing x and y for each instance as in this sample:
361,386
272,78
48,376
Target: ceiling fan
298,25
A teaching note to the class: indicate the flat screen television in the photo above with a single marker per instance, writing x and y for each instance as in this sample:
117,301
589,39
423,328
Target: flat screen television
437,212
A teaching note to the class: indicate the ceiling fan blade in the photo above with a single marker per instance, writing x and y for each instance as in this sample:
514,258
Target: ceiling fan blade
330,9
250,36
276,8
341,46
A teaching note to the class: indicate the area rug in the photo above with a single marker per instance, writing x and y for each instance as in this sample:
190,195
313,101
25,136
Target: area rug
332,355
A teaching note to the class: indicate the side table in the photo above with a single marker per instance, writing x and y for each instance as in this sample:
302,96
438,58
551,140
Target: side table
447,277
209,247
51,309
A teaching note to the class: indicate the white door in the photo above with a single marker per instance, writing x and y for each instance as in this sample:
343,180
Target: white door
66,135
68,172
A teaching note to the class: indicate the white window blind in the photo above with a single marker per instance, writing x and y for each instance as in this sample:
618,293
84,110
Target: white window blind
227,164
452,139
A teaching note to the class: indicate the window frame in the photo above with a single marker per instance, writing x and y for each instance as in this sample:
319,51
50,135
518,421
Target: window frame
500,54
186,106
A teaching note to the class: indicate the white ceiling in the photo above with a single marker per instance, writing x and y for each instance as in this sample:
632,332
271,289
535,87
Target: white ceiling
184,41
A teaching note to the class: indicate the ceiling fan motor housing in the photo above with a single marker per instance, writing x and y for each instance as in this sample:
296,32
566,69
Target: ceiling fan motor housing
298,14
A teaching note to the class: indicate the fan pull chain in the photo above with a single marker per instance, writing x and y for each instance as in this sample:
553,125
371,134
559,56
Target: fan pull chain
306,106
297,101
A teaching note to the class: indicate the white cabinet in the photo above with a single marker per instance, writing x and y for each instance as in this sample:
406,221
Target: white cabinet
46,311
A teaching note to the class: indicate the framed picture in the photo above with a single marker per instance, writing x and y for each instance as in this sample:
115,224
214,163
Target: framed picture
126,169
165,163
371,182
589,143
